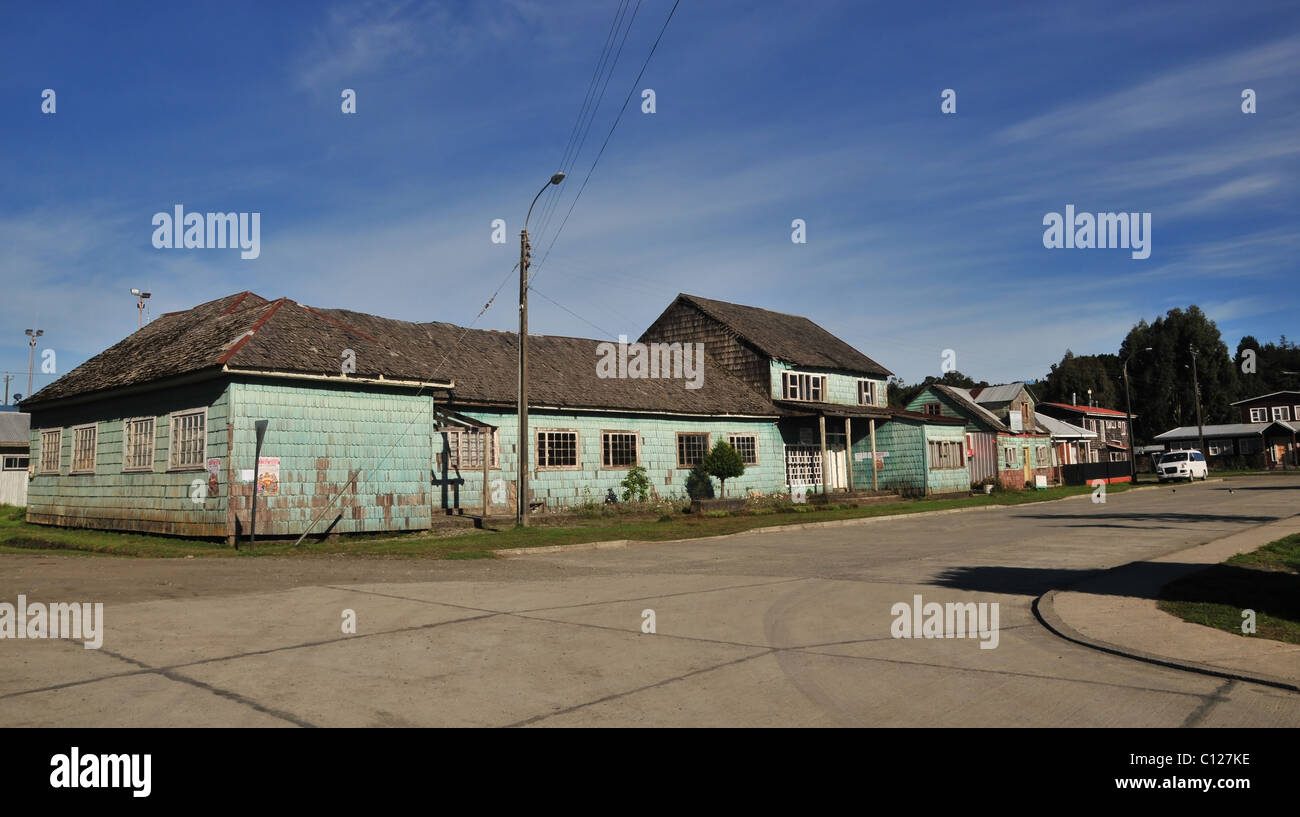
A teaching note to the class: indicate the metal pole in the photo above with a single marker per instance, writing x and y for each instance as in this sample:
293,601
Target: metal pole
31,360
1128,409
1196,386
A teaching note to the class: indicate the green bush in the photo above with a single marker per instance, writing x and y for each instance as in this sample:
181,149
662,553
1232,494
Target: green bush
724,462
636,484
698,484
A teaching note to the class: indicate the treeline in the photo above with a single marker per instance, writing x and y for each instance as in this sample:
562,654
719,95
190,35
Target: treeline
1159,359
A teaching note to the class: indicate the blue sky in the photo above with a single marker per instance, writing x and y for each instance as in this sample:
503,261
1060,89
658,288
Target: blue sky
924,230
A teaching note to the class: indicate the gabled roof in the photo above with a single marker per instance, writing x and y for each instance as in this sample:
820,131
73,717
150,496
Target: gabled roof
247,333
1089,410
1262,396
1063,430
1003,393
1226,430
964,400
790,338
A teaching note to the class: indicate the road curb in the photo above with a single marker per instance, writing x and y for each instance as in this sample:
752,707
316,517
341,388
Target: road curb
614,544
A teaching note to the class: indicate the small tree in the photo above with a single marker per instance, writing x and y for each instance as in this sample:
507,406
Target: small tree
698,484
636,483
724,462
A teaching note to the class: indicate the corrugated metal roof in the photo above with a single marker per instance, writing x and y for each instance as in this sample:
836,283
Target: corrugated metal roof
1004,393
1224,430
964,397
1062,429
15,428
1088,409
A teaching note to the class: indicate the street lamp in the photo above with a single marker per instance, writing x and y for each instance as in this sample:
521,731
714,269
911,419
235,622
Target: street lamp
1196,387
32,335
521,479
139,323
1128,409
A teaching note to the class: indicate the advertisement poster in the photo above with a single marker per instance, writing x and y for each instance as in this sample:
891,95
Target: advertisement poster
214,484
268,475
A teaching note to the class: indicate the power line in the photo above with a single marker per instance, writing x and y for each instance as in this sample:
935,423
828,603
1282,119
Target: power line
602,330
608,136
549,211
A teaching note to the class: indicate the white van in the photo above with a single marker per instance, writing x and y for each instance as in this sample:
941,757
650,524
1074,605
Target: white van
1188,465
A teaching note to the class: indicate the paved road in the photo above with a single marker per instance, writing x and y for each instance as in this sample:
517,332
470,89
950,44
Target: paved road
755,629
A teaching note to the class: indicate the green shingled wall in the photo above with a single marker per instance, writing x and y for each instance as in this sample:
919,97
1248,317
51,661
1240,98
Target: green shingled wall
158,500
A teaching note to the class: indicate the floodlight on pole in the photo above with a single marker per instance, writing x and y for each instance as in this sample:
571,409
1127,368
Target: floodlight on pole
139,323
32,335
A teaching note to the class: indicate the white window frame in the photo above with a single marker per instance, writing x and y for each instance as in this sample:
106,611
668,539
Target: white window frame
171,440
1015,458
1217,446
1282,413
872,390
799,386
126,444
636,449
456,437
93,428
731,441
41,466
4,462
677,445
1259,415
538,449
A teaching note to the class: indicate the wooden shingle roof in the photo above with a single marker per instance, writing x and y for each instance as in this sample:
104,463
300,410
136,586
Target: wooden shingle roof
245,332
790,338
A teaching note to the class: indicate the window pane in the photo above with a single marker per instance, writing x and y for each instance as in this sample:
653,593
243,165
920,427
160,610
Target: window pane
618,450
747,445
691,449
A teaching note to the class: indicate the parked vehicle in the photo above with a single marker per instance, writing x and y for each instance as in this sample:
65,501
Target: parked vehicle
1187,465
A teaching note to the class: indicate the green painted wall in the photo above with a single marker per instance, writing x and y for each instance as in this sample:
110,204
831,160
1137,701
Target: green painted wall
157,500
658,435
948,480
841,387
320,433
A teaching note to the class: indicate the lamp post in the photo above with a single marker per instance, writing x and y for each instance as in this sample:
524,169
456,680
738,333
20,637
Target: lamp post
1128,410
139,321
32,335
521,477
1196,387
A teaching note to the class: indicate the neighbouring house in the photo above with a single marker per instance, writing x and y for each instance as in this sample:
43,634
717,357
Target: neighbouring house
1003,440
837,430
1278,449
15,442
1265,445
1111,428
1071,444
375,424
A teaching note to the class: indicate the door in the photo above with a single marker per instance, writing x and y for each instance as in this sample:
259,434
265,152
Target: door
838,461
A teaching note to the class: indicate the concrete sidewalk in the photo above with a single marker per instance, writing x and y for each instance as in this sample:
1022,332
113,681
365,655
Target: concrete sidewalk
1116,612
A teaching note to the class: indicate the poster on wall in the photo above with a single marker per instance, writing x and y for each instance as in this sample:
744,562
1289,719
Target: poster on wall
268,475
214,484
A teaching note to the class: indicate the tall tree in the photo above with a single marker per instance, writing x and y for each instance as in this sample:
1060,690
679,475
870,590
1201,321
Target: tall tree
1161,379
1077,377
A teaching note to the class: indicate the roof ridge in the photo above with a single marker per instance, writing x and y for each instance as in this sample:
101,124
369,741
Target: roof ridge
239,344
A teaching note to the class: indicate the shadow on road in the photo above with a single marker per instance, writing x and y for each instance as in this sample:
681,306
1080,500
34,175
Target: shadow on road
1225,584
1183,518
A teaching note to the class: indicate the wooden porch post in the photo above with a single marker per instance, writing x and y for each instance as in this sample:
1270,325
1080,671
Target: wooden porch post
848,451
821,430
875,477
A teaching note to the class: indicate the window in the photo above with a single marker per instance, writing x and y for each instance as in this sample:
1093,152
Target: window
464,449
1259,415
16,463
747,445
137,436
83,448
1010,456
932,409
189,438
691,449
946,454
1281,413
809,387
51,450
619,449
1041,458
1250,445
1218,447
867,393
1296,413
557,449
